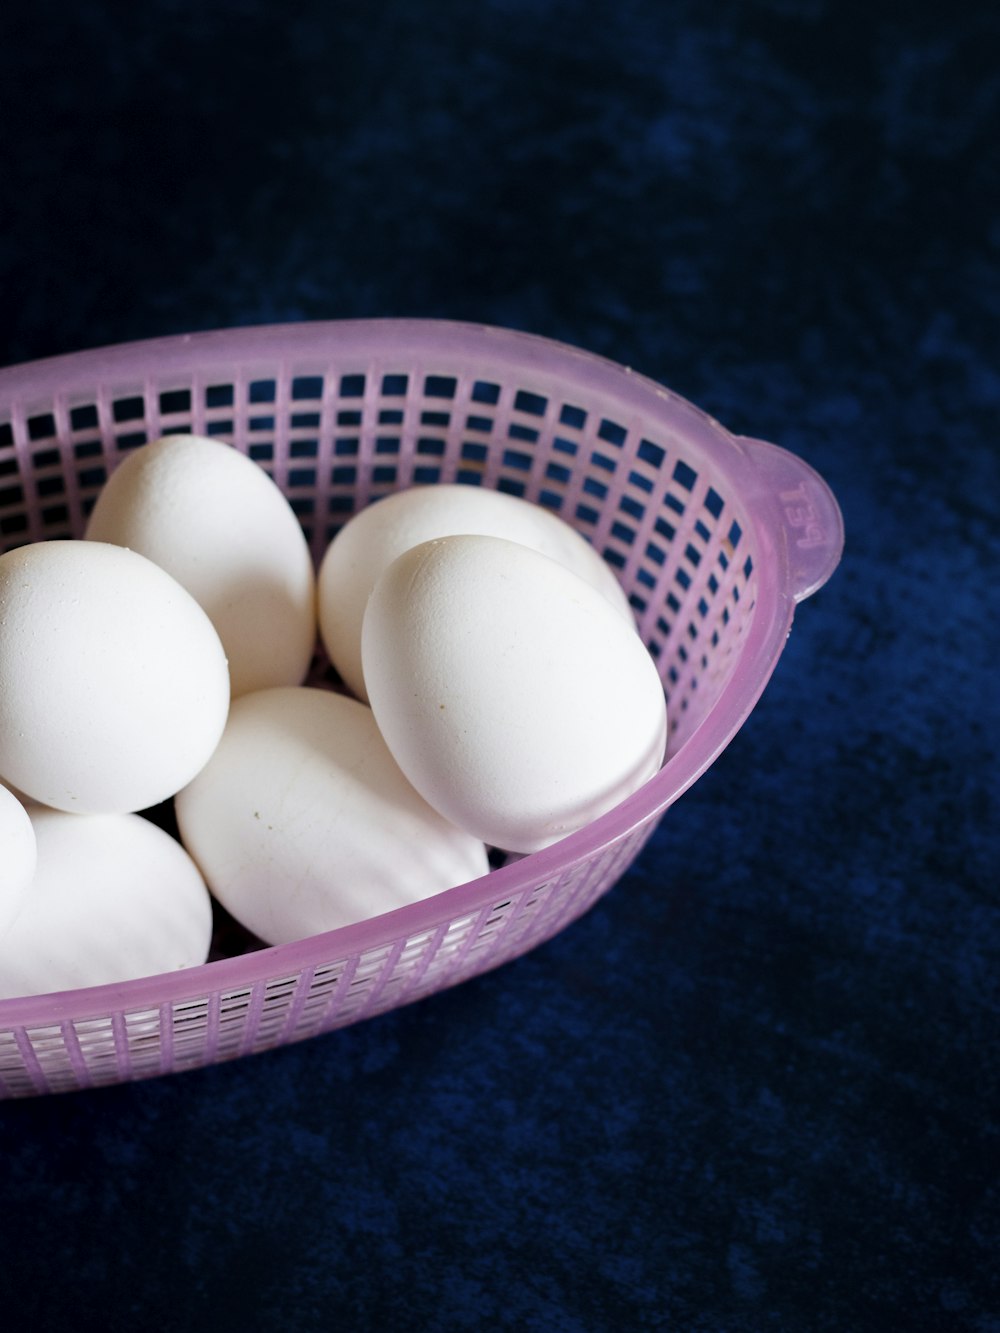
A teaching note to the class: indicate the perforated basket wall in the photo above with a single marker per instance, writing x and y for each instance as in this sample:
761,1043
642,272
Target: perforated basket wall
714,538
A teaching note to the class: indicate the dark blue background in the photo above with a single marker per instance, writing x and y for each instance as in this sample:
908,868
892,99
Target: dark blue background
757,1086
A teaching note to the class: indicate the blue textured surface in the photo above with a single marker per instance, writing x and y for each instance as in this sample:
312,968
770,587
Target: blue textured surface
757,1086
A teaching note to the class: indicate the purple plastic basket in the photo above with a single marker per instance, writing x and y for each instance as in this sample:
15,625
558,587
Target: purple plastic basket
714,537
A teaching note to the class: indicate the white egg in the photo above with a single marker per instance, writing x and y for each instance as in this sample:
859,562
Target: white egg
512,694
370,541
18,855
216,521
113,683
302,822
113,898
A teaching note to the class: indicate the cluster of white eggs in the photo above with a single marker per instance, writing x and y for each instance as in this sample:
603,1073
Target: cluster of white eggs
496,694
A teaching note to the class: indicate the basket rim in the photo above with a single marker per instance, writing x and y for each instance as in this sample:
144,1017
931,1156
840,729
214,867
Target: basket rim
299,342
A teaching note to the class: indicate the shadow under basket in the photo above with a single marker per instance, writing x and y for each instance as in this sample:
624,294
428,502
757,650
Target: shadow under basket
714,537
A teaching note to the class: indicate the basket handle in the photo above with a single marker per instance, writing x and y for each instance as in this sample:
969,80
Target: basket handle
805,510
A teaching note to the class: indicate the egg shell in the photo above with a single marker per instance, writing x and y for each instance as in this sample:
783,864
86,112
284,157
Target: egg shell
18,856
302,822
113,682
214,519
370,541
113,898
512,694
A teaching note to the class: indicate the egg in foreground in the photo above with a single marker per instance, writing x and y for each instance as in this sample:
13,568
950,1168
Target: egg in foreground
302,822
113,898
114,687
512,694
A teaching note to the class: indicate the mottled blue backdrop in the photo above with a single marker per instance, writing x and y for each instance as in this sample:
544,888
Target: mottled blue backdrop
757,1086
